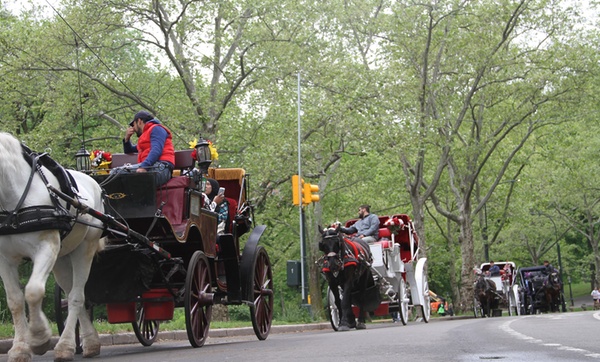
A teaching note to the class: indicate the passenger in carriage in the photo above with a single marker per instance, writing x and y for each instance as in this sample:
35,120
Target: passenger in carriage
494,269
367,228
154,148
216,202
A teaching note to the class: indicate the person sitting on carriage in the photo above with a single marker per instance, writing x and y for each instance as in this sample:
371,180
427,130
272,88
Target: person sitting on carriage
548,268
216,202
494,269
154,148
366,228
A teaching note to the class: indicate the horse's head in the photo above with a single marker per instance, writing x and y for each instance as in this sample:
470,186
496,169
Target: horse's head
332,244
553,280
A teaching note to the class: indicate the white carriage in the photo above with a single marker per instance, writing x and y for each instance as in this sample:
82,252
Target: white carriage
399,272
506,288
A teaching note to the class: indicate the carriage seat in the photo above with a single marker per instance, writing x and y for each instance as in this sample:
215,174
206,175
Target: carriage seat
232,179
401,237
183,161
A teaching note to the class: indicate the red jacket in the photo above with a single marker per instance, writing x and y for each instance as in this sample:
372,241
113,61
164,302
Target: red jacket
144,144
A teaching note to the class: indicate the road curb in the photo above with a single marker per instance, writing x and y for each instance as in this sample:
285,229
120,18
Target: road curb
130,338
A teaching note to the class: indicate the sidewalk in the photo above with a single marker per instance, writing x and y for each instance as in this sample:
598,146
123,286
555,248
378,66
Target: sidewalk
130,338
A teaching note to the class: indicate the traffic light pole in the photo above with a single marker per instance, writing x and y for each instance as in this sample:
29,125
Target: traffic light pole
301,208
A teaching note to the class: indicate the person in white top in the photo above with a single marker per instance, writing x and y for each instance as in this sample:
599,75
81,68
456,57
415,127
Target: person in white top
596,295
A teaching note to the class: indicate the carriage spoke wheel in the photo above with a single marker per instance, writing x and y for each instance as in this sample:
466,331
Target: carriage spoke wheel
261,308
61,311
145,330
198,299
333,309
477,309
403,301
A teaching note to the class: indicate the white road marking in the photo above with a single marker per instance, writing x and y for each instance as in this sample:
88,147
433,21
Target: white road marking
506,328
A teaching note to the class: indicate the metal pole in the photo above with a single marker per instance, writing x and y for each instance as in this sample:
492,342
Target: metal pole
486,246
571,292
302,242
560,271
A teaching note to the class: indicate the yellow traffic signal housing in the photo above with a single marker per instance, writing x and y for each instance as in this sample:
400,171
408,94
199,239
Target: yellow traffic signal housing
296,190
308,196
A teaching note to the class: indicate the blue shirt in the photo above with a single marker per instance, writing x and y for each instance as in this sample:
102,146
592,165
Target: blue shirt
367,226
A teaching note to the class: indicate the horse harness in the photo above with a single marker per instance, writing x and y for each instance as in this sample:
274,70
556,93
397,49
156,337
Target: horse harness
40,217
355,253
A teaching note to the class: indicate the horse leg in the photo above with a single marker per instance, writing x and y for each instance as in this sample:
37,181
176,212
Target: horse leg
35,290
72,271
361,324
15,299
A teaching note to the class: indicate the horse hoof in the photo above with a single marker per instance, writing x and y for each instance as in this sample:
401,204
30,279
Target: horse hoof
343,328
63,356
41,349
91,351
361,325
19,357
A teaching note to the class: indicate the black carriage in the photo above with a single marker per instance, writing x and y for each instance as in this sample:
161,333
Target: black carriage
164,252
532,295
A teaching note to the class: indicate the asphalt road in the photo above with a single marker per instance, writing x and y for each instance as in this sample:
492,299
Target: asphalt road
556,337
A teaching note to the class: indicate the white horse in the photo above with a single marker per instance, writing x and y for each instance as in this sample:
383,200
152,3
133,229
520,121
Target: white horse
70,259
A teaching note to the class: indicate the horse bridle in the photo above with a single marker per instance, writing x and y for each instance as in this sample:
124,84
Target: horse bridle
12,221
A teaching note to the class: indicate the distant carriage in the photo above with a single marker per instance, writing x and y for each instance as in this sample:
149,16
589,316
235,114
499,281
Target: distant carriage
399,273
506,292
540,290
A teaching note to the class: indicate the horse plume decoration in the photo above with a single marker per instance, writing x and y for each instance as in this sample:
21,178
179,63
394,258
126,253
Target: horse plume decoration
36,226
346,267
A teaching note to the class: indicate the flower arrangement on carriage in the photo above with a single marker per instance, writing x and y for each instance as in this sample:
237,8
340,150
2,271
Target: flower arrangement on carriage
101,160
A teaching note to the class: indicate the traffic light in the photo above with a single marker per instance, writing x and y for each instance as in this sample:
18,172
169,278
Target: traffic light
295,190
307,191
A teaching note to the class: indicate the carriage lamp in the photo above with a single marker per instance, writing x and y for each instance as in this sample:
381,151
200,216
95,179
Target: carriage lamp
82,159
203,155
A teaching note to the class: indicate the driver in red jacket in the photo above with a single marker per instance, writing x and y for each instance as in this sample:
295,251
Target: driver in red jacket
154,148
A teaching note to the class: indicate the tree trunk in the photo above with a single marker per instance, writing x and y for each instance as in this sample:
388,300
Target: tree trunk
467,277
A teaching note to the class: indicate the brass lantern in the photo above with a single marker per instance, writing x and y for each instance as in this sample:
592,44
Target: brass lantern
203,155
82,159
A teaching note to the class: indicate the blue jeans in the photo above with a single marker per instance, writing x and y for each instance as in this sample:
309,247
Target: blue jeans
162,173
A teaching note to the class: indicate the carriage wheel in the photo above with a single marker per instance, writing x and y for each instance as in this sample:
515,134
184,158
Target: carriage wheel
261,308
334,311
198,299
477,309
403,301
61,311
146,331
426,307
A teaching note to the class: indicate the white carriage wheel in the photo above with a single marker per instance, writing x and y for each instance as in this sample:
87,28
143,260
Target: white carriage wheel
477,308
426,306
403,301
333,312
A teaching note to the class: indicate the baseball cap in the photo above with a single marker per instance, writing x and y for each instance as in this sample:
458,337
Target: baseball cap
145,116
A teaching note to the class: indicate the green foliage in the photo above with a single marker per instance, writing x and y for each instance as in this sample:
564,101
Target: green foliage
384,90
239,312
